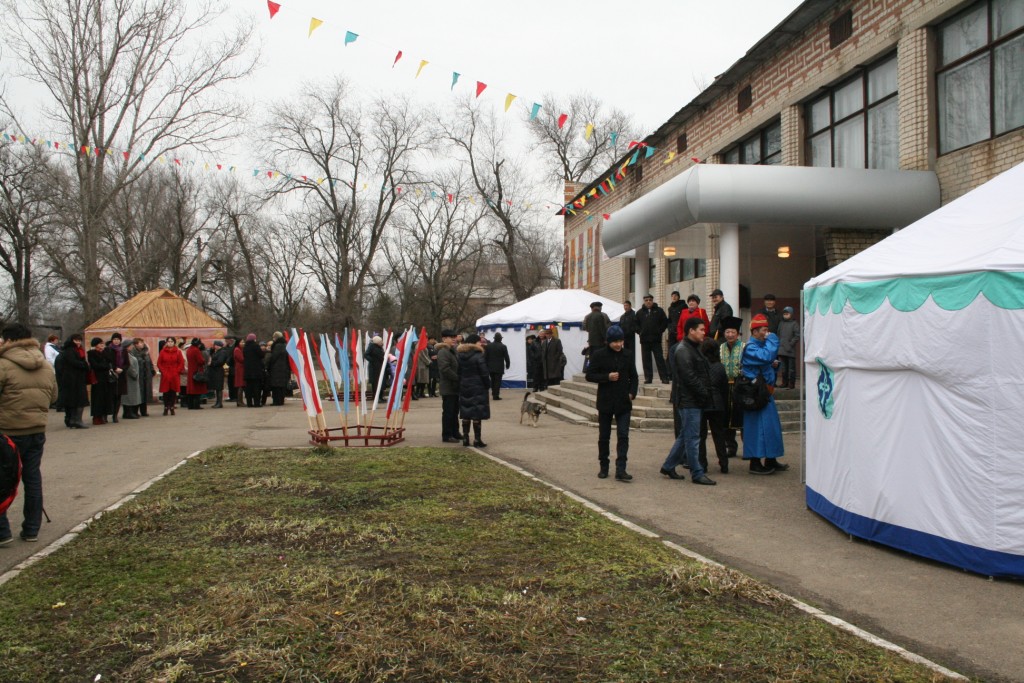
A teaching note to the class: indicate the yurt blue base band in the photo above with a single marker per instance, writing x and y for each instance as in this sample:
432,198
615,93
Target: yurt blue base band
971,558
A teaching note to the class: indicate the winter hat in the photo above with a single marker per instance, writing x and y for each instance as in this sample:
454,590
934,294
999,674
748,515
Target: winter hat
378,340
693,297
473,339
117,336
788,309
614,334
759,321
732,323
497,336
218,343
95,341
716,292
596,304
251,337
278,335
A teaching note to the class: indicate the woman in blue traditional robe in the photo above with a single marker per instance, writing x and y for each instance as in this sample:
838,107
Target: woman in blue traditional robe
762,430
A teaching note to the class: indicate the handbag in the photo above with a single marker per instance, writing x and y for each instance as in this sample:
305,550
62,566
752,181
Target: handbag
112,376
200,377
750,394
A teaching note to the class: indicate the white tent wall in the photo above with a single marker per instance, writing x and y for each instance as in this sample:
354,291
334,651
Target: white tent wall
922,451
563,309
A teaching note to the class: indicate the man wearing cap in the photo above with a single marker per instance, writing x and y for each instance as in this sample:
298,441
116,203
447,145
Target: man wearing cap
721,311
731,351
691,394
675,309
651,322
762,430
448,380
596,324
496,356
789,338
627,321
771,314
614,372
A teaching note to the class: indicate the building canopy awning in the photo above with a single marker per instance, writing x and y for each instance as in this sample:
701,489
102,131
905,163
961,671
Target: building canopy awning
789,195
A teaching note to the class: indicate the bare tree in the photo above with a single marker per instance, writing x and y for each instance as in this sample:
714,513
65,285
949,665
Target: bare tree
361,157
570,155
436,253
127,75
28,212
501,182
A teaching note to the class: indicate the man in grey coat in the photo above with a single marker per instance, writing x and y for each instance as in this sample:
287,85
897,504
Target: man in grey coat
448,371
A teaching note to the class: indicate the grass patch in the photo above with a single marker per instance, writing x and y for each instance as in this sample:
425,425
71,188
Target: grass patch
396,565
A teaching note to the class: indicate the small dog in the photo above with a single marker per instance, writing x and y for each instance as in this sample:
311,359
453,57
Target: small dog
531,409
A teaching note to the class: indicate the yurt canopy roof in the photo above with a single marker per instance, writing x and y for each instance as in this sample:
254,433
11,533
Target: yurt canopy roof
551,306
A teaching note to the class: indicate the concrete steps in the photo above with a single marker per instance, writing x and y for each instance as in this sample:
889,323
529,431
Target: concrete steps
575,401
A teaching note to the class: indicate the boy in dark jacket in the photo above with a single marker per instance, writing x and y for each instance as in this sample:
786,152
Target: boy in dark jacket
789,337
614,372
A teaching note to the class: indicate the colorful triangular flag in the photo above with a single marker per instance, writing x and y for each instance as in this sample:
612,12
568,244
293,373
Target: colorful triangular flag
423,63
273,7
508,100
455,78
350,37
534,111
314,24
480,87
589,131
397,57
562,119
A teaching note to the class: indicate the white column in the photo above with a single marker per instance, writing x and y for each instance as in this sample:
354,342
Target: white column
729,264
642,254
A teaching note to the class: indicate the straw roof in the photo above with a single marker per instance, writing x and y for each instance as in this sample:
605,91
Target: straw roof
155,309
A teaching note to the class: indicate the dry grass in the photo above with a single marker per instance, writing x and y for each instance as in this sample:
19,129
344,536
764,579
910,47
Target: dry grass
400,565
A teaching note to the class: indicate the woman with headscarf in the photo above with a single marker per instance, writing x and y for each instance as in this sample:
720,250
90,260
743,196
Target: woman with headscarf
196,364
103,380
238,356
170,364
73,377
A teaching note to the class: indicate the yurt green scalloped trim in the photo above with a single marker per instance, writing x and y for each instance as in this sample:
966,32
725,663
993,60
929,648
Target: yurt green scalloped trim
949,292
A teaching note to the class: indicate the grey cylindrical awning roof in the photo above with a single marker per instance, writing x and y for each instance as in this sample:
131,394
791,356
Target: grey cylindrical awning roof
790,195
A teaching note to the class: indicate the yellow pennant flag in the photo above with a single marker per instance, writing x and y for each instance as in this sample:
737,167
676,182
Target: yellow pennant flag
670,155
423,63
319,181
508,101
589,131
314,24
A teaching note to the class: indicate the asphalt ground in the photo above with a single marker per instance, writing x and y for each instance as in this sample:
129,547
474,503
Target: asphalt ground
756,524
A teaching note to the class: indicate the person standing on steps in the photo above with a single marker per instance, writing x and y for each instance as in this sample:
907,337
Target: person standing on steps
498,361
474,382
614,372
596,324
720,313
651,323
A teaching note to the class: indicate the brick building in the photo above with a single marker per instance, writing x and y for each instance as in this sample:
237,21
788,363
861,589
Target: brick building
847,121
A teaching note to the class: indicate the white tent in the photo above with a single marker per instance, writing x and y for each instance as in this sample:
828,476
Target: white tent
562,308
915,426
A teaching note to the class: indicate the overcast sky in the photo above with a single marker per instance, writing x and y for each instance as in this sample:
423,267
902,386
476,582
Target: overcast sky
645,57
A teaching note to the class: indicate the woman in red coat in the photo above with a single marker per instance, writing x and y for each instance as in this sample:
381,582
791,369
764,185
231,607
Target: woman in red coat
170,364
239,357
692,310
196,363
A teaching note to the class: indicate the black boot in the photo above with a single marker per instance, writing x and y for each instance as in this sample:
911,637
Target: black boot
756,467
622,475
476,435
603,472
465,432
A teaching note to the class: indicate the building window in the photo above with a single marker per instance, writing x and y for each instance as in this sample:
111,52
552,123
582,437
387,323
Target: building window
763,147
681,270
638,174
981,73
840,29
744,99
856,124
681,143
632,274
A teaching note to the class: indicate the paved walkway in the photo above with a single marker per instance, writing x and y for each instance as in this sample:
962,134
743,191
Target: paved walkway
758,525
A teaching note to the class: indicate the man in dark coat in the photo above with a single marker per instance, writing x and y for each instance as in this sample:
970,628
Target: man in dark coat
651,323
534,363
72,372
279,371
146,373
448,380
552,357
496,355
691,394
218,360
627,321
614,372
230,343
721,311
674,310
474,381
771,314
374,356
252,364
596,324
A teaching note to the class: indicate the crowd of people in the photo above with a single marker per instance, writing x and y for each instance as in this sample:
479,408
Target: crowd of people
706,362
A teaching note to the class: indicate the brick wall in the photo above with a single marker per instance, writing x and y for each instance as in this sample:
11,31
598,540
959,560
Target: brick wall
916,96
841,244
961,171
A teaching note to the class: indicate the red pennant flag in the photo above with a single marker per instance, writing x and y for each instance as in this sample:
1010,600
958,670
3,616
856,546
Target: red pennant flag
562,119
480,88
178,162
85,150
449,199
695,160
607,216
270,174
273,7
397,57
125,155
219,167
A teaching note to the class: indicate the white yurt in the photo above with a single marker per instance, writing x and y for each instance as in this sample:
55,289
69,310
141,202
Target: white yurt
563,309
915,425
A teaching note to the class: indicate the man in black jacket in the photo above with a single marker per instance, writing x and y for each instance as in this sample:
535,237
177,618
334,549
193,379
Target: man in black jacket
614,372
691,393
496,356
675,309
448,373
651,322
721,311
